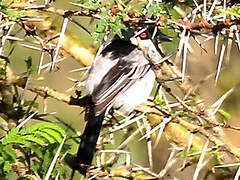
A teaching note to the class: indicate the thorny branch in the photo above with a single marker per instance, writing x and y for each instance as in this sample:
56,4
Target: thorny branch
174,129
171,129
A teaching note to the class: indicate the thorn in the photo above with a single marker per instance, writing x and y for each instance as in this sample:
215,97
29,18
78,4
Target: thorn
41,62
60,40
184,62
80,69
211,9
220,62
200,162
27,119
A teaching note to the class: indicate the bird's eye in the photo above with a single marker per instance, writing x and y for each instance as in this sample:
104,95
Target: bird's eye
143,35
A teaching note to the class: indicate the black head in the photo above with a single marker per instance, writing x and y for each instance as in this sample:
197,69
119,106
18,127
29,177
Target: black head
126,34
149,32
152,32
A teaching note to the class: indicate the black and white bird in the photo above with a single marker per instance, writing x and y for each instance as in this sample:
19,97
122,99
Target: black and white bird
120,78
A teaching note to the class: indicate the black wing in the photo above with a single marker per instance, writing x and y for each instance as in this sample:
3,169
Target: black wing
120,77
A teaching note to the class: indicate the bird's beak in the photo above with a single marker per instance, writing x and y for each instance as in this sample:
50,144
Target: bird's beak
163,38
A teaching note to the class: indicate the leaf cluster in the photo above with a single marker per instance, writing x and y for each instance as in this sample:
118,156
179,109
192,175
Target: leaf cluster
37,144
114,15
10,13
234,11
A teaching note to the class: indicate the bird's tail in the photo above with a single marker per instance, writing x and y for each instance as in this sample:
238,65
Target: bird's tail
88,142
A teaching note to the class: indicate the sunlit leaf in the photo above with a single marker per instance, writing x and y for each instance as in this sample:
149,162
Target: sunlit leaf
225,114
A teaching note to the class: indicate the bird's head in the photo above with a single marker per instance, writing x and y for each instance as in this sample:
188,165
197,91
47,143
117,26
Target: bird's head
148,39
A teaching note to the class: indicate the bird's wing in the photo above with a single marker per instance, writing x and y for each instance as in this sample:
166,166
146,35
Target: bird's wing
117,80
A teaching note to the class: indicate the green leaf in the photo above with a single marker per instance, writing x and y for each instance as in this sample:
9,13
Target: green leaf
47,159
156,10
225,114
38,151
7,167
53,127
1,160
40,78
230,12
174,14
158,100
3,5
16,140
207,125
36,166
3,72
13,14
55,134
11,134
34,69
31,69
9,153
32,103
92,5
58,169
28,62
100,26
49,132
41,133
116,24
36,140
41,139
50,139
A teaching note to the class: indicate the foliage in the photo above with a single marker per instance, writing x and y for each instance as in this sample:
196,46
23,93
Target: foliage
234,11
31,69
225,114
7,158
37,144
12,14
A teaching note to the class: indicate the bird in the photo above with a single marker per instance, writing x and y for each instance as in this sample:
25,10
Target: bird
120,79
